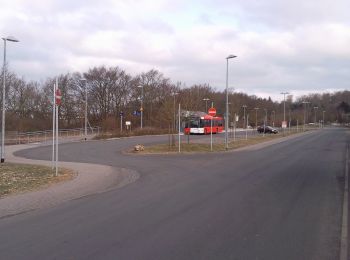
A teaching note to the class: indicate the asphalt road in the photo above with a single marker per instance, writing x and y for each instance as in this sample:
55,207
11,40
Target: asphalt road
283,201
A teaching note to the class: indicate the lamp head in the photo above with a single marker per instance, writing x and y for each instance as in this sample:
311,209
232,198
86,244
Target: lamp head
10,39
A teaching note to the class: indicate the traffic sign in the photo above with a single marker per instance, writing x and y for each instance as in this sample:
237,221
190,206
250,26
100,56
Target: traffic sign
284,124
58,97
212,111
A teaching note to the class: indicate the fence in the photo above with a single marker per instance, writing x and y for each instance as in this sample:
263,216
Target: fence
43,136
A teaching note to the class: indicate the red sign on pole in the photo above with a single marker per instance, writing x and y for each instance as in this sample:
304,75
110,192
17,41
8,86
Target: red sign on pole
212,111
58,97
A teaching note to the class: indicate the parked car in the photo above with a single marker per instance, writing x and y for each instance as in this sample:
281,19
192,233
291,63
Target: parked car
268,129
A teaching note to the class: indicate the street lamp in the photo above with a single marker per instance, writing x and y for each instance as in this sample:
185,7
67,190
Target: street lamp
305,103
83,80
315,112
273,118
244,119
174,94
256,117
206,104
284,104
10,39
265,121
323,118
141,109
226,115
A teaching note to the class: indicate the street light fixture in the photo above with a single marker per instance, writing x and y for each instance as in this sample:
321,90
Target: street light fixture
226,115
10,39
206,104
141,109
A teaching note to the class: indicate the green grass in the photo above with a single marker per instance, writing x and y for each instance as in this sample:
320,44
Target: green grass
16,178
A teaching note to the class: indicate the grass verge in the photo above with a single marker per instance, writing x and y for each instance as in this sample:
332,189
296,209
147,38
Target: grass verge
16,178
205,147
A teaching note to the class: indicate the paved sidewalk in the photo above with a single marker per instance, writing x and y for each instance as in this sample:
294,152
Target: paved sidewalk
90,179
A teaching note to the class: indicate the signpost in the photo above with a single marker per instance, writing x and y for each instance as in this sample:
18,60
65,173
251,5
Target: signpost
128,124
212,113
57,98
121,120
284,124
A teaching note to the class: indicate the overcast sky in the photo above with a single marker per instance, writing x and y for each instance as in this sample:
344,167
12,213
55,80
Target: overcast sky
298,46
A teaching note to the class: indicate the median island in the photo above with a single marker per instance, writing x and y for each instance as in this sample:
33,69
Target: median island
17,178
203,145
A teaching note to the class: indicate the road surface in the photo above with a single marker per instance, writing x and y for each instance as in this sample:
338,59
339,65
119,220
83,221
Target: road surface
283,201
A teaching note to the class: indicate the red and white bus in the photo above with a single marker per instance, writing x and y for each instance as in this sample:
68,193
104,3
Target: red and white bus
202,125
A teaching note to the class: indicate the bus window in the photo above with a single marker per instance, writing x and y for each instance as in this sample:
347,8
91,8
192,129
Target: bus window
204,123
194,123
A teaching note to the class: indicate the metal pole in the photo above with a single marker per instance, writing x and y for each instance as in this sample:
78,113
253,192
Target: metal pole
265,121
3,108
85,112
305,109
141,105
121,123
246,128
244,119
174,123
256,117
226,114
211,134
179,127
323,119
56,164
234,128
315,110
53,124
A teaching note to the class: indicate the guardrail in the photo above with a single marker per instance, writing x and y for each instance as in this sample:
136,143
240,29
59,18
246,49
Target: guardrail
43,136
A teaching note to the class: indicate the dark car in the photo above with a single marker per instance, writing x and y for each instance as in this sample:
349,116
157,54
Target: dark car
268,129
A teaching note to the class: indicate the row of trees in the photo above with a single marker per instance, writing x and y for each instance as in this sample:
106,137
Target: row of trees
111,91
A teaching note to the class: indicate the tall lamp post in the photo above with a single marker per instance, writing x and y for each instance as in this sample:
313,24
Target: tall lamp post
265,121
305,103
10,39
284,104
141,109
256,117
323,118
174,95
273,118
244,119
83,80
315,111
206,104
226,114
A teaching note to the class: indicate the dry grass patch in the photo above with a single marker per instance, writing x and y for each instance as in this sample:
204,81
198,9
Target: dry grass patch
217,147
16,178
